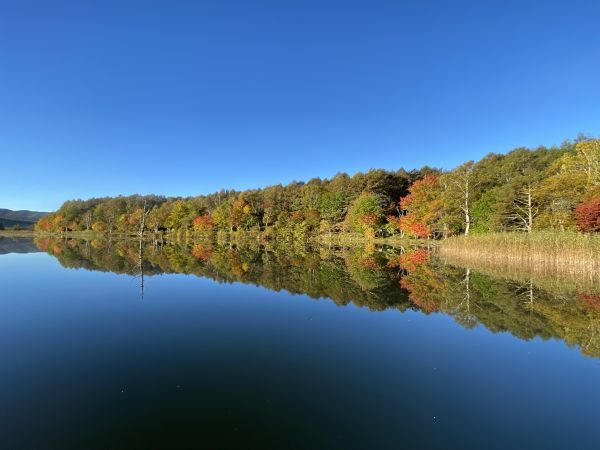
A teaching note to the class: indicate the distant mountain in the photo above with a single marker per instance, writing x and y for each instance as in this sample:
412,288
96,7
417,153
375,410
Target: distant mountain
23,218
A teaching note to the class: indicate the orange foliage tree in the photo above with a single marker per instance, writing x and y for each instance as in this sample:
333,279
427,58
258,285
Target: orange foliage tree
202,252
203,224
44,224
420,280
421,207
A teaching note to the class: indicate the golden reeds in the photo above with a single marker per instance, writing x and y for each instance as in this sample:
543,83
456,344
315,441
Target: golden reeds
565,254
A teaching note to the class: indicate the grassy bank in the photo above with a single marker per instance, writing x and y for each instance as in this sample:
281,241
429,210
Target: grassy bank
569,254
357,239
16,233
337,239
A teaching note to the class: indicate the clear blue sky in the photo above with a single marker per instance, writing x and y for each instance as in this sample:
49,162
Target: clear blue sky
181,98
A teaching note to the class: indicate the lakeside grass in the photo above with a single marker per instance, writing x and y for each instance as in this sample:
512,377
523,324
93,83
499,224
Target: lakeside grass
566,255
17,233
338,239
357,239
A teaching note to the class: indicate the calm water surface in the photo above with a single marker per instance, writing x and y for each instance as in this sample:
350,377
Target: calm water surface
231,347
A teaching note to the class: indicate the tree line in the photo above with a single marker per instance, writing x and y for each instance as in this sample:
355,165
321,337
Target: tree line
556,188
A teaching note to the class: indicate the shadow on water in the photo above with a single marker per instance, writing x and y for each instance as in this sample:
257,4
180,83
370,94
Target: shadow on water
377,278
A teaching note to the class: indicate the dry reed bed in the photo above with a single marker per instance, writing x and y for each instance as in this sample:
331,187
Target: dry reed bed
569,255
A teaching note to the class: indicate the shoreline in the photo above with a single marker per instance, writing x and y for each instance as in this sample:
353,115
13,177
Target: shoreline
324,239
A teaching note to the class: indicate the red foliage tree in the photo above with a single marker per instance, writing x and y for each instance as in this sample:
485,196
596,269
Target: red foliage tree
592,300
202,252
203,223
411,260
411,226
419,230
587,216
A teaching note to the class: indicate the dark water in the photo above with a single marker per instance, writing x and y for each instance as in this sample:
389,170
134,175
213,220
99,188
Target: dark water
252,347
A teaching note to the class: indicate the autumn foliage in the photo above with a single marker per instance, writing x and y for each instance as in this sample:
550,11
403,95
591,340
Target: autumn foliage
411,260
421,206
203,224
365,214
592,300
529,190
587,216
202,252
412,226
44,224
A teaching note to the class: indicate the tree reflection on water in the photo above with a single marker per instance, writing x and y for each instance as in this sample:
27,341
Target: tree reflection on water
377,278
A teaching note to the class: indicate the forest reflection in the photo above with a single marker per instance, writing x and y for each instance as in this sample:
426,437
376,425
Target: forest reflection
373,277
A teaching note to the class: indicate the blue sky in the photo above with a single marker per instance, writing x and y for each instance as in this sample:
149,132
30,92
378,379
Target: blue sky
182,98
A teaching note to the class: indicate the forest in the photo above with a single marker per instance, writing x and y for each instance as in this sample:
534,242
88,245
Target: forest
525,190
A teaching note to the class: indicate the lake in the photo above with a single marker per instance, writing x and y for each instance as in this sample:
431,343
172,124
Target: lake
121,344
